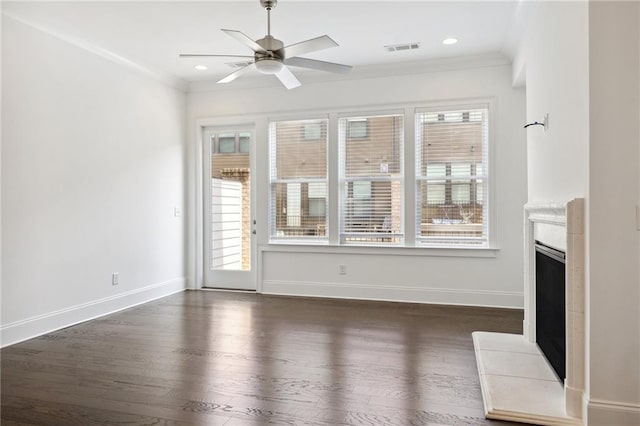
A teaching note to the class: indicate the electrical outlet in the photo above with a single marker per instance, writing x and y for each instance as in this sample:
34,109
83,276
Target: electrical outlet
342,270
115,279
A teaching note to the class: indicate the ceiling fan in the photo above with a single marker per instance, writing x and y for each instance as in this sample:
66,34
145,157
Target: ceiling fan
271,56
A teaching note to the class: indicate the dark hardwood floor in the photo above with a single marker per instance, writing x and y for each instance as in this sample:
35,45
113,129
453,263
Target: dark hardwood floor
223,358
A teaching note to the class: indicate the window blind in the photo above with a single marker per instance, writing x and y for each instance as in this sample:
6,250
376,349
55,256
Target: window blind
451,163
298,180
371,179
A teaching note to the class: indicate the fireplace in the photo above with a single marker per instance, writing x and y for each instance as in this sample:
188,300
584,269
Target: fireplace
517,382
539,377
550,306
560,226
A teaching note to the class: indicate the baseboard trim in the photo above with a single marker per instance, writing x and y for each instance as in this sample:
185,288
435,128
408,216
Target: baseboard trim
391,293
604,412
29,328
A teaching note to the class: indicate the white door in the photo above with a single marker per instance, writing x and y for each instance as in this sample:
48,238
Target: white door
229,226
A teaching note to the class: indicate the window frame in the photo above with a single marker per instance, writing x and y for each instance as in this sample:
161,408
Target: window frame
343,134
237,143
273,179
409,246
489,224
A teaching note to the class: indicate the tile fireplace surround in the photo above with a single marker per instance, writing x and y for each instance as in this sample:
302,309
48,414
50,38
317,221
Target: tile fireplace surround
517,382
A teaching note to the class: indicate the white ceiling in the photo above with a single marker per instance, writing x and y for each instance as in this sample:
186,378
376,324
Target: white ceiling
152,33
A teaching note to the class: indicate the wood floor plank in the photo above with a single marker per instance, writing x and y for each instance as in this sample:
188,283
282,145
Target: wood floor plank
224,358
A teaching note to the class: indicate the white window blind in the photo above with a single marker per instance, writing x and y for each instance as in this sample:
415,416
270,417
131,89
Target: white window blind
298,180
371,179
451,163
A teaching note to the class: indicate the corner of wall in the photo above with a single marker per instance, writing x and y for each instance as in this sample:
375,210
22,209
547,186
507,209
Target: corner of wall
22,330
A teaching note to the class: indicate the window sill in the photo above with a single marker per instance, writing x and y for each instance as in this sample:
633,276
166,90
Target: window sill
324,248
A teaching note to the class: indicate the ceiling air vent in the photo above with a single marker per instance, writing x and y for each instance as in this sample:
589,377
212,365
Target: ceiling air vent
240,64
400,47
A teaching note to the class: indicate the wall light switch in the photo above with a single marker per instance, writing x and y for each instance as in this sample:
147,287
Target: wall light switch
177,211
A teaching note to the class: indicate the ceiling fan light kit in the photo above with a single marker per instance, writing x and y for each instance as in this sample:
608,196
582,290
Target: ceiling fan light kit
271,56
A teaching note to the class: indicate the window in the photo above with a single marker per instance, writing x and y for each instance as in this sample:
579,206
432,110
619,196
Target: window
371,179
298,180
451,161
312,131
232,143
227,143
357,128
317,196
366,191
244,142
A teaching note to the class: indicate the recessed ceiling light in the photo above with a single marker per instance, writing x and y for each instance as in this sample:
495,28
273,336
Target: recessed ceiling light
450,40
200,67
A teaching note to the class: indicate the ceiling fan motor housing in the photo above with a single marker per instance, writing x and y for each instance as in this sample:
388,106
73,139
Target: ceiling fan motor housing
270,61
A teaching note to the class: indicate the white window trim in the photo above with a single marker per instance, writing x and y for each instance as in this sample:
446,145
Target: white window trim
371,249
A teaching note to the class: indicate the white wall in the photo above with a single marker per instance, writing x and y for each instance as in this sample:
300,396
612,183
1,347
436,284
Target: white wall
581,66
614,320
93,164
402,274
557,82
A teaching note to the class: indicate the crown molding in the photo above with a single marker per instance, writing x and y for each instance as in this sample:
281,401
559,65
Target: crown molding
160,76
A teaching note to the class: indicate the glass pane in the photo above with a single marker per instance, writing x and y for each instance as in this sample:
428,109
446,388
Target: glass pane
230,209
298,173
295,215
436,170
461,192
452,153
377,154
245,142
313,131
296,157
372,212
317,207
443,219
461,169
226,143
358,128
436,192
317,190
293,204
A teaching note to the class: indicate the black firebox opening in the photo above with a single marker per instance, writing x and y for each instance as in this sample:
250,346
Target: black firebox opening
550,306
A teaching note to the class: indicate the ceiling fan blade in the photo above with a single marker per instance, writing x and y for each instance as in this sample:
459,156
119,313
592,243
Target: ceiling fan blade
287,78
308,46
244,39
206,55
319,65
235,74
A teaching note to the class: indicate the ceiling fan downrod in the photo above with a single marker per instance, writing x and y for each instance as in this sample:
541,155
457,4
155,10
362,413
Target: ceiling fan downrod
268,4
